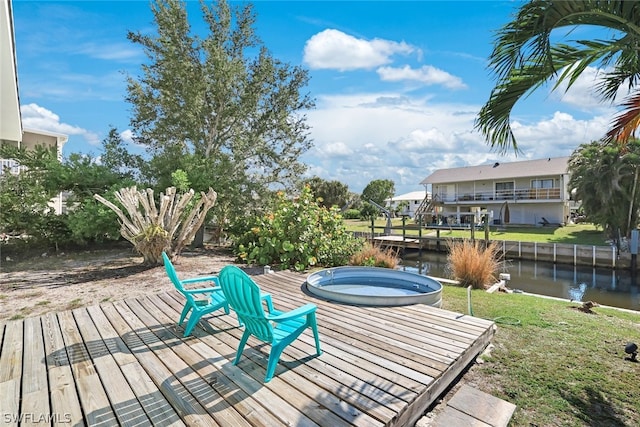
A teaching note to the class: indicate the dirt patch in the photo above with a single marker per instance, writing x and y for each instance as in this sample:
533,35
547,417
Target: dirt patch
51,283
586,307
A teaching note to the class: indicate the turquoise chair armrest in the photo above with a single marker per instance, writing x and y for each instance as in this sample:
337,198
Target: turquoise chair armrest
298,312
203,290
267,298
213,279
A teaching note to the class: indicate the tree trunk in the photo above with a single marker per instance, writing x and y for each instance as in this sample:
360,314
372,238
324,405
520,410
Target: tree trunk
632,202
198,239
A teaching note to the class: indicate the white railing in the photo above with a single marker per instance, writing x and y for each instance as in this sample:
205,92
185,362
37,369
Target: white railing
10,166
515,194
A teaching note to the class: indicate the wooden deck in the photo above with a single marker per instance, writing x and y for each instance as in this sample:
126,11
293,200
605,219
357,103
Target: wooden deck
126,363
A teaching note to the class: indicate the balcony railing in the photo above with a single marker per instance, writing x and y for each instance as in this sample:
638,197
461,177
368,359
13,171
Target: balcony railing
10,166
514,194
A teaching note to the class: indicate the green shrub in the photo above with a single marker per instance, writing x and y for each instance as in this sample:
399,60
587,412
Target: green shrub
53,230
23,203
299,233
91,221
351,214
368,211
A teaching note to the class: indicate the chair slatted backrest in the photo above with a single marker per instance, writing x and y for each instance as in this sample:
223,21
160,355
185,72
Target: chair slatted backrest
243,295
171,272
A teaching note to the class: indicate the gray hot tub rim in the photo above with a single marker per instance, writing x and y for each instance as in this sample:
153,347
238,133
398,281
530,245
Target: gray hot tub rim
429,289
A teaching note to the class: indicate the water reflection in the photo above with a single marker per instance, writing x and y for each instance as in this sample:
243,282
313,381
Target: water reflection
602,285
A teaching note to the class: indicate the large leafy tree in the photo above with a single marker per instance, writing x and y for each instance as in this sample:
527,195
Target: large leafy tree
117,158
329,193
377,191
530,51
218,106
605,179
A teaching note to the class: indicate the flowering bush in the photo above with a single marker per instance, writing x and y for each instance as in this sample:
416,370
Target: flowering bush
298,233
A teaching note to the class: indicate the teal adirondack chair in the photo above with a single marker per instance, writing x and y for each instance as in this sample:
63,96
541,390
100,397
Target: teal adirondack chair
274,327
214,298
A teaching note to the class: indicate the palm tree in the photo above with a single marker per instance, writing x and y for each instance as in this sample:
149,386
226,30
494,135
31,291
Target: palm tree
525,57
605,180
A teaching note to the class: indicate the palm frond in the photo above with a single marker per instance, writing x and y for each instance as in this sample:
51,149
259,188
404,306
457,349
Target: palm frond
626,123
524,56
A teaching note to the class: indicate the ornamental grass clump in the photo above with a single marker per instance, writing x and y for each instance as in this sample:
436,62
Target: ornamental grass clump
375,256
473,263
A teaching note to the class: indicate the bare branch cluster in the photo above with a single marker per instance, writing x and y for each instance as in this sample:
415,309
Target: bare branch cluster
153,230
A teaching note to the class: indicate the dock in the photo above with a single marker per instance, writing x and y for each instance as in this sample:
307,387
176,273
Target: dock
560,253
126,363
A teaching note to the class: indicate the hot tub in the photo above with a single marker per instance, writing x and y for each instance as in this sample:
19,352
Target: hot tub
374,286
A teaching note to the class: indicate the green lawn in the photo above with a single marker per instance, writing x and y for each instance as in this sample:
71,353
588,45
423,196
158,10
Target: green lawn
559,365
577,234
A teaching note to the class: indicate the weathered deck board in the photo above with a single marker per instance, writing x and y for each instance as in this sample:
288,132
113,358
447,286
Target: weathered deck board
62,387
35,392
149,351
158,409
11,370
95,404
127,363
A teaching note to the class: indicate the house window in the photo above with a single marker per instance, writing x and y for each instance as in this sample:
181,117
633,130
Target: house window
504,190
504,186
542,183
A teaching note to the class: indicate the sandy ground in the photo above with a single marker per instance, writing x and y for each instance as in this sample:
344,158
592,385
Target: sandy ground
56,282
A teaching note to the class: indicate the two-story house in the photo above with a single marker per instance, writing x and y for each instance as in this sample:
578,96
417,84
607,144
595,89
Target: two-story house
531,192
11,130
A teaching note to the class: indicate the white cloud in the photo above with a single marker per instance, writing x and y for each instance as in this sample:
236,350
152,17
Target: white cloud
336,149
425,139
122,52
358,138
582,93
37,117
127,136
333,49
562,132
426,74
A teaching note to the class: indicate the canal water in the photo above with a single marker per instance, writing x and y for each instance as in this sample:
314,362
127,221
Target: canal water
616,288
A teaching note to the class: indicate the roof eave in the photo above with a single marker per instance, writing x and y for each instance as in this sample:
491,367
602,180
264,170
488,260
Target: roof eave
10,118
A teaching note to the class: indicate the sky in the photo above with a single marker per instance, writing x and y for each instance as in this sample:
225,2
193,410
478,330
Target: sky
397,85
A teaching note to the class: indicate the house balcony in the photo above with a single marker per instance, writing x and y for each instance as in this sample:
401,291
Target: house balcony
10,166
517,194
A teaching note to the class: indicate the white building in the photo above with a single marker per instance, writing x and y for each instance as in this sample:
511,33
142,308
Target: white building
533,192
407,202
11,130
